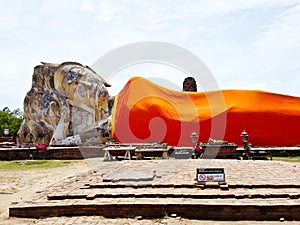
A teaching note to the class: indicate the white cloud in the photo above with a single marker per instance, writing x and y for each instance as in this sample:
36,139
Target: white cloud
281,34
87,6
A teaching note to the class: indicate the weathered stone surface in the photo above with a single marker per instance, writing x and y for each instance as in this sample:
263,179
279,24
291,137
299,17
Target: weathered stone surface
66,101
132,175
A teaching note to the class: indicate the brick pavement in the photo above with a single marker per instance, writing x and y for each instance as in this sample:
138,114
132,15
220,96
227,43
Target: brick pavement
98,220
259,190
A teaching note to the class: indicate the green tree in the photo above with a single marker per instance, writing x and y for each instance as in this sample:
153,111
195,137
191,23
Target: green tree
11,120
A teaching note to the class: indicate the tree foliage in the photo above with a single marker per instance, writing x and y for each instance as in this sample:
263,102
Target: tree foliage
11,120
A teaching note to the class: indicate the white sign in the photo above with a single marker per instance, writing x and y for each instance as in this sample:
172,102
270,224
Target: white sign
6,131
210,175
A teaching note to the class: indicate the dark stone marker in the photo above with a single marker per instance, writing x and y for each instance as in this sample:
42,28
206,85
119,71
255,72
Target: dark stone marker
189,84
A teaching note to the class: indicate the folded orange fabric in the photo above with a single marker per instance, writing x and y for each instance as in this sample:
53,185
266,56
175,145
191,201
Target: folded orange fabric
147,112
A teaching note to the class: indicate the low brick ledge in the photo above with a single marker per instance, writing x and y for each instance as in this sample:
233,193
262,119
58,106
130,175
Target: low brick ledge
158,210
173,195
205,185
66,152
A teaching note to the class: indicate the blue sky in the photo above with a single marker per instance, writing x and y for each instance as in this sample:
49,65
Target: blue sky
252,44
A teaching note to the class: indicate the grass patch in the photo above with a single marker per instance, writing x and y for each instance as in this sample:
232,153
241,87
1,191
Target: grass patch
34,164
287,158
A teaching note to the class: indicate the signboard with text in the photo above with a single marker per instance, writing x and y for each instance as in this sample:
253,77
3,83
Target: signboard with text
210,175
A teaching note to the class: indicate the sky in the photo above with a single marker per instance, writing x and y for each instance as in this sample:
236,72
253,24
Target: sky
252,44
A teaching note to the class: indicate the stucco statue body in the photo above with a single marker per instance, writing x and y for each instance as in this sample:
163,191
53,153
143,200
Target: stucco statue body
67,104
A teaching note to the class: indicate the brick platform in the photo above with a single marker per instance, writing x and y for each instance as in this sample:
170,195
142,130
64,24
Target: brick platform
254,190
51,153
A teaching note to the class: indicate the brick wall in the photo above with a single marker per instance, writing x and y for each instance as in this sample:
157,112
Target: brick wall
156,210
6,139
51,153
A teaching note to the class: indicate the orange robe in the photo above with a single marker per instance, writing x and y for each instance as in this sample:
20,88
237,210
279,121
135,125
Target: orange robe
147,112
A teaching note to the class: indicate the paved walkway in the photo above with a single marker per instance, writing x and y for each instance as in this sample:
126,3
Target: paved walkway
98,220
159,183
